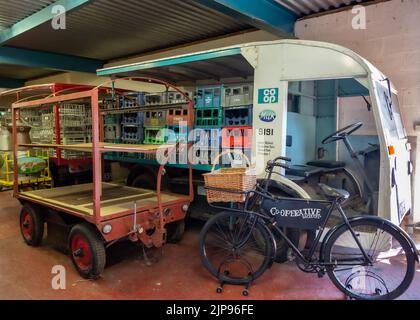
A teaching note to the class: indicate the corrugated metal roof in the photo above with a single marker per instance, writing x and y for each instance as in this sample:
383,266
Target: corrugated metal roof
307,7
12,11
106,29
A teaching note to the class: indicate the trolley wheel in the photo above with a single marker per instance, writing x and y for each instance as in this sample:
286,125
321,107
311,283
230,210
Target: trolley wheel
245,292
219,290
175,231
87,251
31,225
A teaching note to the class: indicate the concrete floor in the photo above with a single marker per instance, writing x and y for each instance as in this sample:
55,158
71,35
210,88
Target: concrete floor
25,272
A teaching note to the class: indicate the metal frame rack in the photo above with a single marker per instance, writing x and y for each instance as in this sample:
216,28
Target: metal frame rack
103,204
50,90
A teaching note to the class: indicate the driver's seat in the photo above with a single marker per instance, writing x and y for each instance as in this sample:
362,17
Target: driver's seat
333,193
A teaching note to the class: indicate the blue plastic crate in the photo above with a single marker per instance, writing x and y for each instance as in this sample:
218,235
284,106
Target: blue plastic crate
177,134
208,96
237,116
132,134
206,137
136,118
205,156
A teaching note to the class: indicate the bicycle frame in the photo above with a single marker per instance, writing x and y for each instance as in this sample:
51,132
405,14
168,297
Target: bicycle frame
334,204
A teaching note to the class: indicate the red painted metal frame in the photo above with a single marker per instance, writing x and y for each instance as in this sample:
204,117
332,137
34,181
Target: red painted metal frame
119,220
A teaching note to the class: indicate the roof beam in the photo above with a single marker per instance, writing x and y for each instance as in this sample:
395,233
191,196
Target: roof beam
11,83
266,15
38,18
47,60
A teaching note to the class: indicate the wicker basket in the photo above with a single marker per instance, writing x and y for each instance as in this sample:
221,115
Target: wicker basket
236,181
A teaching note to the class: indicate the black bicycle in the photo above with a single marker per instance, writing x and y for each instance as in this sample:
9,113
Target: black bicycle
366,257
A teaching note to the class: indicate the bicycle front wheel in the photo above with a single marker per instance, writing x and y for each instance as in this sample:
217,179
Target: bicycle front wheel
236,248
390,270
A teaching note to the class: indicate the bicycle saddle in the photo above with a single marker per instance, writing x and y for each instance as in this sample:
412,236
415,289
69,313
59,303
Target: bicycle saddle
334,193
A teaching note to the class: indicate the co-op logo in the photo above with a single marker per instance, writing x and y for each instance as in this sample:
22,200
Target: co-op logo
267,115
268,95
305,213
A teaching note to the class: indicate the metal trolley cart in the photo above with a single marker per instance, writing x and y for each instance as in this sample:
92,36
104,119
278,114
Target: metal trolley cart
95,215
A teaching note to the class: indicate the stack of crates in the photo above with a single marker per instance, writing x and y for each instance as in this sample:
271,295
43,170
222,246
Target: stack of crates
32,117
237,103
132,127
132,100
155,127
207,123
176,124
112,128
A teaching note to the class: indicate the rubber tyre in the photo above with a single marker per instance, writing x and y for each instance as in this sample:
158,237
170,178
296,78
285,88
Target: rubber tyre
174,231
92,264
269,254
411,260
31,225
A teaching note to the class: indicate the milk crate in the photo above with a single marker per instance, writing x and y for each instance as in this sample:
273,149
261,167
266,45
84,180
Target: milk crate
155,135
112,119
237,116
204,156
176,115
110,103
132,134
112,132
237,137
155,118
209,138
73,139
180,156
176,97
132,100
177,134
208,118
208,97
136,118
152,99
239,95
233,159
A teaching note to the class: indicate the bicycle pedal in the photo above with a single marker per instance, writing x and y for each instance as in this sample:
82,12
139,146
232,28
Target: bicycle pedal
321,273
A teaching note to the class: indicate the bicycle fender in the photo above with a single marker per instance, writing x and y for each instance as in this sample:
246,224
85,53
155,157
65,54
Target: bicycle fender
373,218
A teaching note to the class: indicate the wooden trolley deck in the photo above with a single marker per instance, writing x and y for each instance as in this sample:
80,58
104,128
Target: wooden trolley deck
115,198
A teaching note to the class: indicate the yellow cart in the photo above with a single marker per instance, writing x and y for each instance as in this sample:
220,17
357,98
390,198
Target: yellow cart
40,180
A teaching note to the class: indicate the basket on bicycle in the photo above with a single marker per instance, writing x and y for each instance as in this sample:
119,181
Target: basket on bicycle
229,184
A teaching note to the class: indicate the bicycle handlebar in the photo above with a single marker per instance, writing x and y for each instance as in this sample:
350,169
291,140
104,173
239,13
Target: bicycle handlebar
275,163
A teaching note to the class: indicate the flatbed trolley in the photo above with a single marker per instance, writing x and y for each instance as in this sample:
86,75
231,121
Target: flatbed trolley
90,217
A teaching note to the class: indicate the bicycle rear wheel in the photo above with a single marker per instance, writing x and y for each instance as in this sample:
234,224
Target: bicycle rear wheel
236,248
393,263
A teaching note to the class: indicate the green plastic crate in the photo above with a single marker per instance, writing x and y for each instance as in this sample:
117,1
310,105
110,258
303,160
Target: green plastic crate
208,118
155,135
